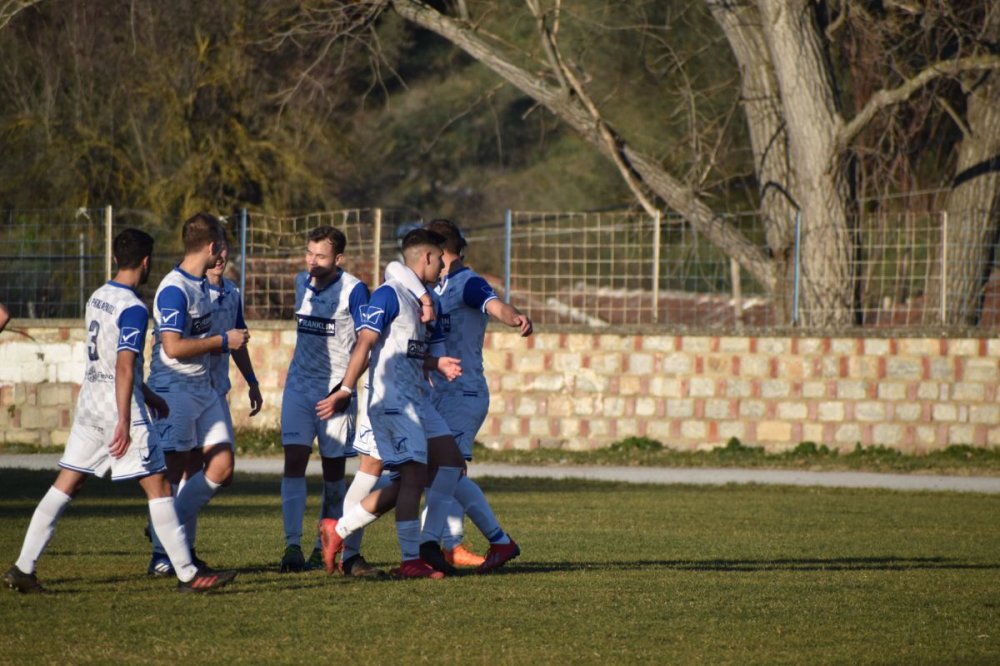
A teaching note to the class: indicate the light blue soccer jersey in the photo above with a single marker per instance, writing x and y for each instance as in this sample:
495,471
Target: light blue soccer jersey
116,320
182,305
395,369
463,296
227,314
325,330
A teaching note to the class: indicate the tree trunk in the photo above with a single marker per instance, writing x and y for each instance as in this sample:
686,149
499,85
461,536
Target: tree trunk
821,184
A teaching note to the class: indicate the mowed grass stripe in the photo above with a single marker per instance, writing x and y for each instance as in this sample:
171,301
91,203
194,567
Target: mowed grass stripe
609,573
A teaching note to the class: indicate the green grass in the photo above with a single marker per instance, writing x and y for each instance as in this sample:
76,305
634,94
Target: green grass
610,573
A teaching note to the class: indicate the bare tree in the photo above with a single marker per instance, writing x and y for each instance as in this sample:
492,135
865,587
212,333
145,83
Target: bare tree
10,8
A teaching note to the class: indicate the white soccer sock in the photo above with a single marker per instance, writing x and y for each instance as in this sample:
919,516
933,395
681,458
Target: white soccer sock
195,494
455,529
163,518
472,499
293,507
408,532
355,519
42,527
439,497
157,546
362,484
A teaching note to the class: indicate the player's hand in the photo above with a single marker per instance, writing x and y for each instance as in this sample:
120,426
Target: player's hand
334,403
158,407
256,400
121,440
238,337
450,367
426,309
524,324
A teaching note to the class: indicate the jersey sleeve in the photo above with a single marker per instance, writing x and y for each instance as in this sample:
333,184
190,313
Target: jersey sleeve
173,308
132,325
380,310
478,293
357,299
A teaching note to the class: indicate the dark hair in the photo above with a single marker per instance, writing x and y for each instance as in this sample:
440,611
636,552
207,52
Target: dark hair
454,241
336,237
130,247
422,236
201,229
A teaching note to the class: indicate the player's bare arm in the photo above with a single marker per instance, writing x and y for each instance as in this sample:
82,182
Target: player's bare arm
241,357
341,397
124,381
176,346
509,315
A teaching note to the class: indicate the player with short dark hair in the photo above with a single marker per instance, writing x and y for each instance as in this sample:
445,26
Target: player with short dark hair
328,304
111,428
183,343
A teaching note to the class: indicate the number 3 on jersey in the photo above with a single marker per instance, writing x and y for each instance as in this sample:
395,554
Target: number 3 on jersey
95,328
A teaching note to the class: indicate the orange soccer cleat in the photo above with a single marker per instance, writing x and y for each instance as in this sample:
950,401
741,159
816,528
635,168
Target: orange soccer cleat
332,543
460,556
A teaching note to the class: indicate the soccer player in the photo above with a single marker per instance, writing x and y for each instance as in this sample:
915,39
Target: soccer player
467,303
328,304
4,317
183,343
111,428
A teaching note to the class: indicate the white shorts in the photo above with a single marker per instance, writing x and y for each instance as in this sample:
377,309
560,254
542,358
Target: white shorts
398,434
465,412
224,403
300,425
364,437
87,451
197,418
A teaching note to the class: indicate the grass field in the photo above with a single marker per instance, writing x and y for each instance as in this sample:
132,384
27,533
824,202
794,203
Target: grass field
609,573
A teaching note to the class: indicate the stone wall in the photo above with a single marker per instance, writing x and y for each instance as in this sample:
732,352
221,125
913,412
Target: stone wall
585,390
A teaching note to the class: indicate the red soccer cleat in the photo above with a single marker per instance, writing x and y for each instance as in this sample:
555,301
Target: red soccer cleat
498,555
332,543
416,568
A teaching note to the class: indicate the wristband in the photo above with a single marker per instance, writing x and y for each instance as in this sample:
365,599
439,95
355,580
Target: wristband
340,387
225,341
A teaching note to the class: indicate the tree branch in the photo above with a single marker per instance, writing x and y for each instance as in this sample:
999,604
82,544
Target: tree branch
883,99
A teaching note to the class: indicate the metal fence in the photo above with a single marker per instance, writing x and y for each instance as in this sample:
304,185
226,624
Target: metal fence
593,269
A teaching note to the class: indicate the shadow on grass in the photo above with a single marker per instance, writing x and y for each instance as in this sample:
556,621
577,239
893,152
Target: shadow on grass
888,563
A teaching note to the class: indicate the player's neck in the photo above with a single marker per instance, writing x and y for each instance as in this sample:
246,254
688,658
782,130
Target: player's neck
453,265
213,279
194,265
127,278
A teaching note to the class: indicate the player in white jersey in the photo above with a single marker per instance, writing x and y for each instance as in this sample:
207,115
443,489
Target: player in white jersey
183,342
467,303
328,304
111,428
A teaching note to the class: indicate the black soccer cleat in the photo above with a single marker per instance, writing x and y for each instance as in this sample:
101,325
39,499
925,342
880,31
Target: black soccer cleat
357,566
24,583
207,580
430,552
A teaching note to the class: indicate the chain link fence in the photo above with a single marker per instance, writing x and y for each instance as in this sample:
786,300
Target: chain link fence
584,269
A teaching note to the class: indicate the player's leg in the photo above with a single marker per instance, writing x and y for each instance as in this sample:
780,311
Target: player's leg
334,437
21,576
445,469
298,430
367,479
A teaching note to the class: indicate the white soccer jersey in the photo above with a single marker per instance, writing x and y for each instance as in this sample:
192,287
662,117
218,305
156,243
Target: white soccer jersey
116,320
182,306
227,314
463,296
326,320
395,369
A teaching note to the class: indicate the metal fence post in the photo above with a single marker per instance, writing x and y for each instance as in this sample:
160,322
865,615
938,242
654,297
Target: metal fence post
108,217
798,267
243,254
377,240
944,267
507,225
656,267
83,274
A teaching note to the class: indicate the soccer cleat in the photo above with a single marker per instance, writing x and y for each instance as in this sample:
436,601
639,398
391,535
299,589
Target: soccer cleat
416,568
207,580
197,561
24,583
315,560
293,561
332,543
357,566
498,555
461,556
160,565
430,552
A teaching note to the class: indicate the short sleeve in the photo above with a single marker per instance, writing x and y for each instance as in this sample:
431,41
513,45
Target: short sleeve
477,293
357,299
380,310
132,325
172,306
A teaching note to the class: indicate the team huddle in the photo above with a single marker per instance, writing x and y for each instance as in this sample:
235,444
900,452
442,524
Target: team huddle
418,350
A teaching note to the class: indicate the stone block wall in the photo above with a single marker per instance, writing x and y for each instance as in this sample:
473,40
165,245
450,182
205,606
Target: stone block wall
583,390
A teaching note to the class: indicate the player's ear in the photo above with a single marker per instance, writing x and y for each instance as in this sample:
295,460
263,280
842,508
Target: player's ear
338,260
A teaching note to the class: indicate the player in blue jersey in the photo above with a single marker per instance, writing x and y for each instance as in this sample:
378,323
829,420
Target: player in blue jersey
328,304
467,303
183,344
111,428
